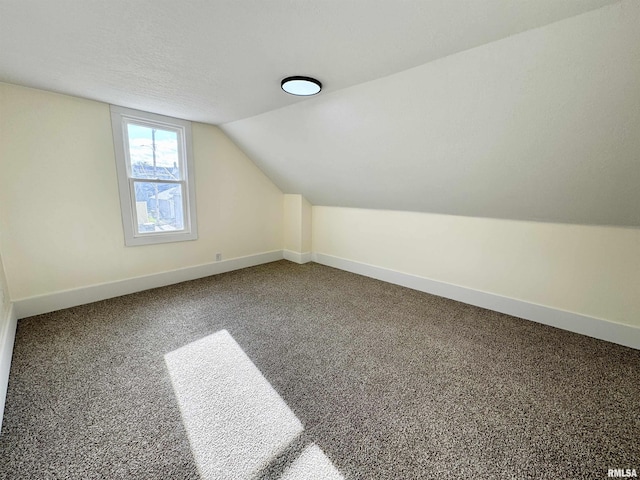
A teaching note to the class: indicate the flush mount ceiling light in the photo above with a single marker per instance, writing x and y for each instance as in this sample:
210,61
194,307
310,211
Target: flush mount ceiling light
302,86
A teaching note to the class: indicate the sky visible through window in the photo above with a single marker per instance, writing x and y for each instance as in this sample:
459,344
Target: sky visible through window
141,146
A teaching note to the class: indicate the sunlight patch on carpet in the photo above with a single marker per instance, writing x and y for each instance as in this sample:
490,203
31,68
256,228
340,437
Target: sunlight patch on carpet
236,422
312,464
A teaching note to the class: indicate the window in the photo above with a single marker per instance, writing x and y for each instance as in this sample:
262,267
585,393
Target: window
155,177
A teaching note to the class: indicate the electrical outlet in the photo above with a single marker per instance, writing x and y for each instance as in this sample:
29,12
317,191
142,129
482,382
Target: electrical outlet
218,257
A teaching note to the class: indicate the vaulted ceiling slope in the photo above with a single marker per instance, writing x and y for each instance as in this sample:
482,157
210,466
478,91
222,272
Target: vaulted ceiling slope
429,105
543,125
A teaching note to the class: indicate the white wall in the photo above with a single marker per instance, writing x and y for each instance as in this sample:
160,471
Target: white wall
7,335
589,270
60,224
4,296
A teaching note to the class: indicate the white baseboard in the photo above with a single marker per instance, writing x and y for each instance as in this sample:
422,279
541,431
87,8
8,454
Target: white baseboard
8,327
621,334
27,307
297,257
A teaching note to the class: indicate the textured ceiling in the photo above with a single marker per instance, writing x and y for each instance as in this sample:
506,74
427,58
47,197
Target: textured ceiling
218,61
515,109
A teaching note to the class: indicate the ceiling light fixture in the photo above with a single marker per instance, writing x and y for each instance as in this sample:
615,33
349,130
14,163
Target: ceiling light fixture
301,86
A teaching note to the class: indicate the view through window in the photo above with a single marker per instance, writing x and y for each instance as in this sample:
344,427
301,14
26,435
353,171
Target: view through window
154,157
155,177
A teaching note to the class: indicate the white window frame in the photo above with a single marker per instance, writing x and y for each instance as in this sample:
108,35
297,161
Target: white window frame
120,118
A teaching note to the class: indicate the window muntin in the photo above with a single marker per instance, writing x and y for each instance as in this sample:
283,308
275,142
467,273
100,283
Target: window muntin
155,176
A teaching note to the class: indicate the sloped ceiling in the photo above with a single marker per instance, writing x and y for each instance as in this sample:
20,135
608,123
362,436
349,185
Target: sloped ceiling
430,105
544,126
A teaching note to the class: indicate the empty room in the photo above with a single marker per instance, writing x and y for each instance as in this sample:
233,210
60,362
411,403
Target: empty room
297,240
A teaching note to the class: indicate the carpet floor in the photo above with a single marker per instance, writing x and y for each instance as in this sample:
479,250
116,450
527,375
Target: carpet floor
376,381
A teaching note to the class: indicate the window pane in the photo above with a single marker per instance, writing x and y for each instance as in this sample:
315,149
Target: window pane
159,207
153,153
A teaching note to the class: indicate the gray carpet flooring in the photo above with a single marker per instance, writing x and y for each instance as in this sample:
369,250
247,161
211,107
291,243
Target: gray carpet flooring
388,383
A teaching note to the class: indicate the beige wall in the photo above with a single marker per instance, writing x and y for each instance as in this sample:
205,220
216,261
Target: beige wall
292,222
60,224
590,270
306,213
297,223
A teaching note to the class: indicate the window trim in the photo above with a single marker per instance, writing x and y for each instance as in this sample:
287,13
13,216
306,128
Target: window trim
120,118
